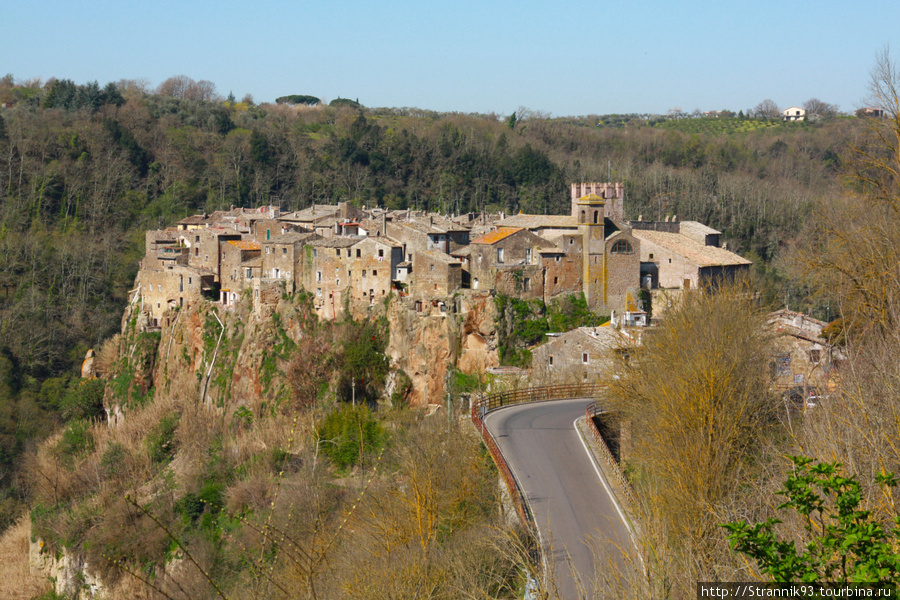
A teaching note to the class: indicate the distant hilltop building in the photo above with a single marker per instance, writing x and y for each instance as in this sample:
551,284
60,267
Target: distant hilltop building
344,255
794,113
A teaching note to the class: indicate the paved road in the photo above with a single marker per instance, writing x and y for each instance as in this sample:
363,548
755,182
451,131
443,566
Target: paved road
578,522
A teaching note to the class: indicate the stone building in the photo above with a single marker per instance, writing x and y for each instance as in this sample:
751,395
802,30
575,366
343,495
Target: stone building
684,255
240,262
612,194
801,356
170,287
434,275
610,257
283,258
507,260
581,355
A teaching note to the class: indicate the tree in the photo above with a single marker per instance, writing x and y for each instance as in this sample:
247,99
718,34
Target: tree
767,109
843,543
815,107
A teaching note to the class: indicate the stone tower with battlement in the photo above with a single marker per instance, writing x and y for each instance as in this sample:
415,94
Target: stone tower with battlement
590,213
613,195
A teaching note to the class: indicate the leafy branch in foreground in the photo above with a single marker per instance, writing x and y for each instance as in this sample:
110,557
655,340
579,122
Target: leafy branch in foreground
845,544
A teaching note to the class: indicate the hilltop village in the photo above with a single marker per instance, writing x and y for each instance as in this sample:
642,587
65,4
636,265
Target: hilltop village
344,255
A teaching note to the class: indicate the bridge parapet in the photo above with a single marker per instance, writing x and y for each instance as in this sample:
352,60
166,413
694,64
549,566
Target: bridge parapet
596,409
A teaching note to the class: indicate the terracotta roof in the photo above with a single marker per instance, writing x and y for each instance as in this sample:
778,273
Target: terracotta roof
245,244
540,221
703,256
498,234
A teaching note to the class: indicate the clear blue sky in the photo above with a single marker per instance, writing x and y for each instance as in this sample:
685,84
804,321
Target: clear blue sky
563,57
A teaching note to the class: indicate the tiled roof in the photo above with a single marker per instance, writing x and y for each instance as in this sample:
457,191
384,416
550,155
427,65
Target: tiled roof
495,236
289,238
697,228
440,257
336,242
703,256
540,221
245,244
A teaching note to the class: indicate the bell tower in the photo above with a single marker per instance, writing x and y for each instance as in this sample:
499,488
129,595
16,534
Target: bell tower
589,213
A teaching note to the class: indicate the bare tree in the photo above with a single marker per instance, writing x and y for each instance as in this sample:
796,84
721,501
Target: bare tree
767,109
818,108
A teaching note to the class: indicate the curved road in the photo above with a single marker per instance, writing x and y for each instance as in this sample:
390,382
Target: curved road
582,531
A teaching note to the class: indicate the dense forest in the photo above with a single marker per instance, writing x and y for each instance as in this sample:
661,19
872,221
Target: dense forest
86,169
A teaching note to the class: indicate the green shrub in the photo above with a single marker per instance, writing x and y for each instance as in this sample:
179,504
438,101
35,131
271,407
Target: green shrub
161,440
83,400
349,433
76,441
112,458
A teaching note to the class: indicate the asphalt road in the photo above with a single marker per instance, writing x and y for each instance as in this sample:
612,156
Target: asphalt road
582,532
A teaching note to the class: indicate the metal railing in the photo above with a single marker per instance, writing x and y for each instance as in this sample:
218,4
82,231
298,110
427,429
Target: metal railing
489,402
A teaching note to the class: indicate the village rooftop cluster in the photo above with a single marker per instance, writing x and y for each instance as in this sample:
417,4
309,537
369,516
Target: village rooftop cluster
344,255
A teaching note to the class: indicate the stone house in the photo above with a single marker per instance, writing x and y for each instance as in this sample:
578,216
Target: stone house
801,356
495,259
434,275
282,258
170,287
684,255
162,249
240,262
581,355
204,247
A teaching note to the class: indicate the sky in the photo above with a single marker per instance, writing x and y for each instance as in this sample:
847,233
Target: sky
562,58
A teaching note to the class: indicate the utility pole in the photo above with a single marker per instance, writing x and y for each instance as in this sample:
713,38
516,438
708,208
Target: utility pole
353,386
449,401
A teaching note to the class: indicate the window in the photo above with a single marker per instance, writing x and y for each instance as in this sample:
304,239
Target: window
196,238
500,255
435,287
358,253
337,283
374,273
318,276
249,273
584,357
381,253
551,360
621,247
557,259
268,234
190,279
528,255
815,356
526,284
337,252
670,261
364,272
267,249
651,256
315,253
283,251
555,280
197,251
432,267
349,251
